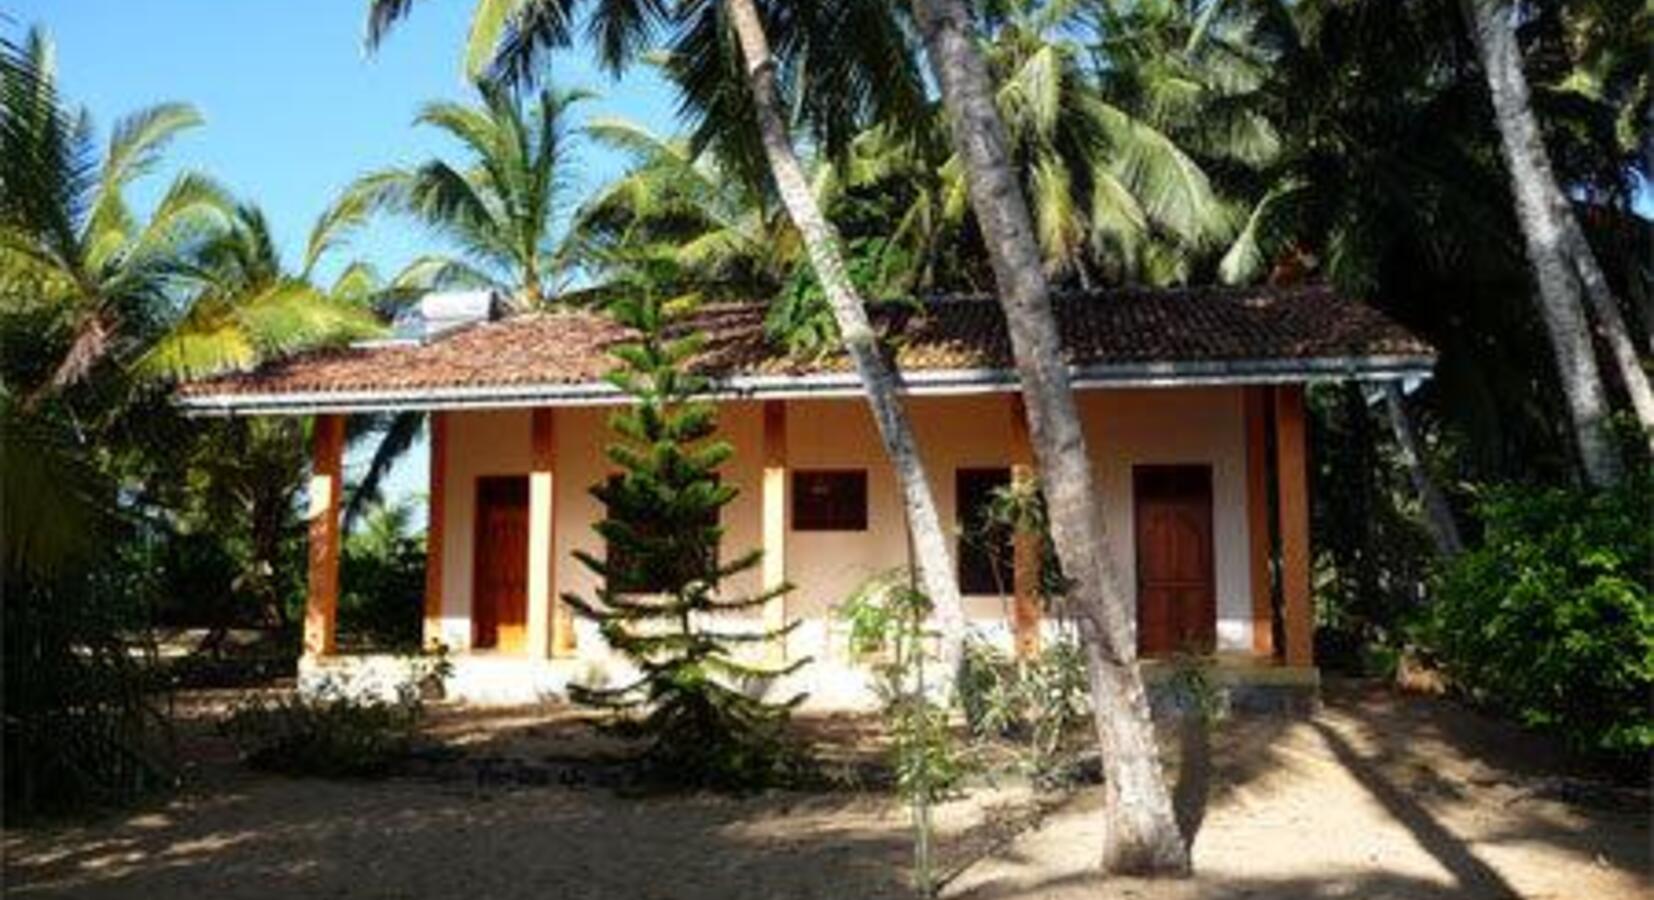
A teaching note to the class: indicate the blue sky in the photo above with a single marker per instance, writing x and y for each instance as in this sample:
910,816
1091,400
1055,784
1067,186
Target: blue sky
295,107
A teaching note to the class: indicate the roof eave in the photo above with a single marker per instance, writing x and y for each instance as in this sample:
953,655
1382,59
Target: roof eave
935,382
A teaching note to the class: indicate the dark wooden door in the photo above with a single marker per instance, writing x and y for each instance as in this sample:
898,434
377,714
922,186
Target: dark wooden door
499,594
1176,586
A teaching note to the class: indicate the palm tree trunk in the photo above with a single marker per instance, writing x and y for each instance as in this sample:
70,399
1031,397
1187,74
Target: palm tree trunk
1438,516
1610,321
1141,830
931,557
1541,210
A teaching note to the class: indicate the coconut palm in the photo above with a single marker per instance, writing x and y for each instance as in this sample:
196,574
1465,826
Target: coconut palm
1567,275
101,308
1142,834
857,62
722,237
243,305
114,304
1111,193
499,208
1115,180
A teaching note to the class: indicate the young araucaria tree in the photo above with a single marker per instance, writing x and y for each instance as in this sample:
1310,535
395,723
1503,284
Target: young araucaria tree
661,600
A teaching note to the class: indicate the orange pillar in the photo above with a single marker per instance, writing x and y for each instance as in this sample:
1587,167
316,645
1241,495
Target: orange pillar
1257,518
436,506
773,514
1025,547
562,615
1292,476
322,602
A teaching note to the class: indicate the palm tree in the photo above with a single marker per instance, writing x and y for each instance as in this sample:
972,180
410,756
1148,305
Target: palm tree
721,236
242,306
1142,834
499,208
856,60
117,305
1564,266
1115,180
100,309
1108,189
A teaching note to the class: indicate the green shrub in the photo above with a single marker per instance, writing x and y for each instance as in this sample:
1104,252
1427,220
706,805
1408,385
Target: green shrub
1551,620
327,732
1039,703
84,721
382,572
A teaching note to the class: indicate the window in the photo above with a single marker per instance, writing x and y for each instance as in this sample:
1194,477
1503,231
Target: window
985,549
631,579
830,500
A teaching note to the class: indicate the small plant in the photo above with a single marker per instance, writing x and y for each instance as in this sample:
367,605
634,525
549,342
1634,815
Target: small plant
1196,694
328,732
1037,703
661,601
887,622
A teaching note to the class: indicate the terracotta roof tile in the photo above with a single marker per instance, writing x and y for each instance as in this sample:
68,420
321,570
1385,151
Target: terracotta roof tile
1099,329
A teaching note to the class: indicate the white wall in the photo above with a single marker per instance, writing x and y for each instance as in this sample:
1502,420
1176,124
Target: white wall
1124,428
495,442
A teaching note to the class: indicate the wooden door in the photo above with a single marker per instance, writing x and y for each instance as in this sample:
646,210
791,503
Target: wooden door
1176,586
499,595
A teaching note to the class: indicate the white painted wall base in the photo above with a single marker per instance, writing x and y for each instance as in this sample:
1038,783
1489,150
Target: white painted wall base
832,681
489,680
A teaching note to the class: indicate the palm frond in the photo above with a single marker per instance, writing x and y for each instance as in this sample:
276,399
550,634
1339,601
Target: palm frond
135,146
396,438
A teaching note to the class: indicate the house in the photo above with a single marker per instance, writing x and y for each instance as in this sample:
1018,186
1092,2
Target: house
1193,404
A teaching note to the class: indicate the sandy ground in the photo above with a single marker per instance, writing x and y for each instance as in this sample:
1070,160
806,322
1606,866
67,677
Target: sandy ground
1376,796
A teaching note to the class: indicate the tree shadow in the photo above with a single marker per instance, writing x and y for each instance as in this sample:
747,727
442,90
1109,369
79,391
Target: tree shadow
496,825
1090,886
1434,749
1192,789
1208,759
1474,877
281,837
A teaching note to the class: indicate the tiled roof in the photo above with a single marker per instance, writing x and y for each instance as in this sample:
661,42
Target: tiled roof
1200,328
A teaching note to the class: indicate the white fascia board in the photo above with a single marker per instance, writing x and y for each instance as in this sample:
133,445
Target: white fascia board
935,382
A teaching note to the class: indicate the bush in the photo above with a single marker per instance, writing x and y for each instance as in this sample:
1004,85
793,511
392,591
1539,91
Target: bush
1550,620
328,733
1039,703
84,719
382,571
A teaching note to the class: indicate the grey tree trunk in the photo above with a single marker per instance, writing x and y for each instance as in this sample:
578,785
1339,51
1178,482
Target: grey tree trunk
1541,210
1610,321
1141,834
1438,516
931,556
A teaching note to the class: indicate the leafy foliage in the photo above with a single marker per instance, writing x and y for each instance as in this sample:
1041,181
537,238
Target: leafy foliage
1372,556
382,572
1041,704
327,732
887,618
800,319
102,308
496,209
84,723
710,234
1551,619
662,602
